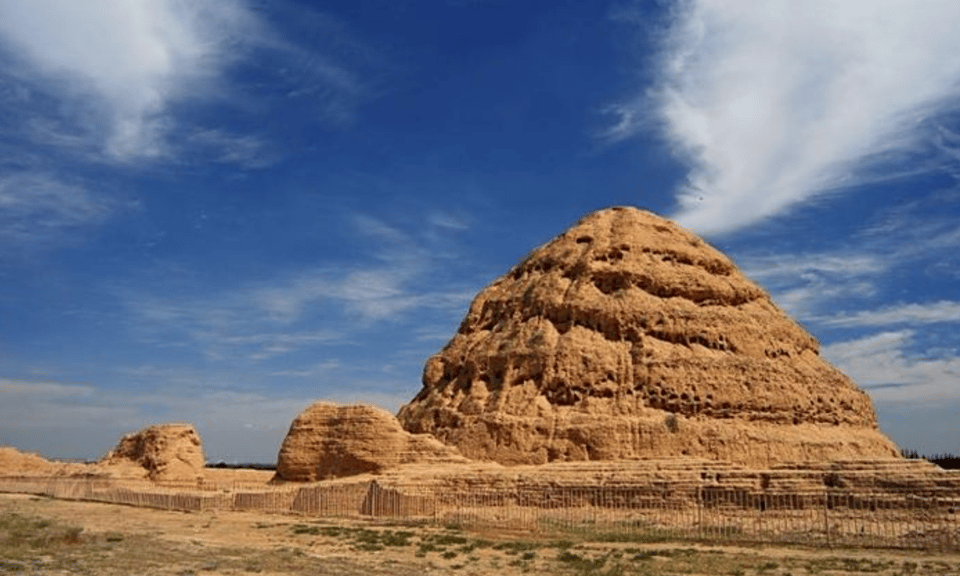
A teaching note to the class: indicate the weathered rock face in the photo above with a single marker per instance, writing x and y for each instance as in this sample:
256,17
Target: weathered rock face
629,337
164,452
329,441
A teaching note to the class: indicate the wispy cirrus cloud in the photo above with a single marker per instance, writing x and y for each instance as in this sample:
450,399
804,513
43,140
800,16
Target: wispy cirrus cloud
916,237
312,371
917,397
122,63
36,209
263,321
144,84
883,364
224,147
260,320
17,387
51,403
802,284
84,420
773,103
943,311
70,420
240,323
107,77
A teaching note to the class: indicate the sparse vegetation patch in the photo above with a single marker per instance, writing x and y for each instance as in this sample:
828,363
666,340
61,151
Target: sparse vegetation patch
36,539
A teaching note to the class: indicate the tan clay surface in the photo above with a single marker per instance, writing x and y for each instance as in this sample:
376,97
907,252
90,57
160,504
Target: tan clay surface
164,452
12,461
629,337
677,478
329,441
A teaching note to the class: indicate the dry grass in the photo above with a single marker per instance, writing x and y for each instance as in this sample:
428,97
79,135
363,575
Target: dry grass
46,537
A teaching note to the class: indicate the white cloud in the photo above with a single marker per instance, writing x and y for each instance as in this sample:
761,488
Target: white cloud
882,364
131,82
774,102
13,387
375,292
848,285
247,150
795,265
105,79
244,425
50,404
372,293
944,311
36,208
262,320
236,425
314,371
630,118
948,142
237,324
450,221
802,284
921,228
125,60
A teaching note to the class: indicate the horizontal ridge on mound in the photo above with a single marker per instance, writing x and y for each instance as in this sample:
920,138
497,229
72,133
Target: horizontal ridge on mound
629,337
682,478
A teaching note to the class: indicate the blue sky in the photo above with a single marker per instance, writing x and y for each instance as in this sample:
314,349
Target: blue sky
218,212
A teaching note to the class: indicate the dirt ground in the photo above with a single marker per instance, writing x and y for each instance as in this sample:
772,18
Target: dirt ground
48,537
238,474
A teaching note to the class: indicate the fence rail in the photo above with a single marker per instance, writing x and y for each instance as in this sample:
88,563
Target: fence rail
703,512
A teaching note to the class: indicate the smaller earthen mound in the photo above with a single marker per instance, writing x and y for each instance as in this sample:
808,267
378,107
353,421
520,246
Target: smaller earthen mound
328,441
27,464
16,463
164,452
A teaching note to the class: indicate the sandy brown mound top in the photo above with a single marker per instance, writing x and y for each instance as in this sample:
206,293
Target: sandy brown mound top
329,441
16,463
628,336
164,452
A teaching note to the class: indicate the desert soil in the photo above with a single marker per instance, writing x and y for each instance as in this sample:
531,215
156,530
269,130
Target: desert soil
44,536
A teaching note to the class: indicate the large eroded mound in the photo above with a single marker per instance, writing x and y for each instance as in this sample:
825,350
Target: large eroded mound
164,452
629,337
329,441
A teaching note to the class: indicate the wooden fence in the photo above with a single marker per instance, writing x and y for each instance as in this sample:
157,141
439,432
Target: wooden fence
831,516
827,517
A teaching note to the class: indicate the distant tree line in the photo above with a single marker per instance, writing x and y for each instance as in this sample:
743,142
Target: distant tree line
945,461
242,466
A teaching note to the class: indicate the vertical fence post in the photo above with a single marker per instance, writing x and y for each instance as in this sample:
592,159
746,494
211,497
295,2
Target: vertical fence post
699,510
953,524
826,516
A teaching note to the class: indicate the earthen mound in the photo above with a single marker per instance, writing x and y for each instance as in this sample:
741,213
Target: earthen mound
27,464
329,441
16,463
164,452
629,337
